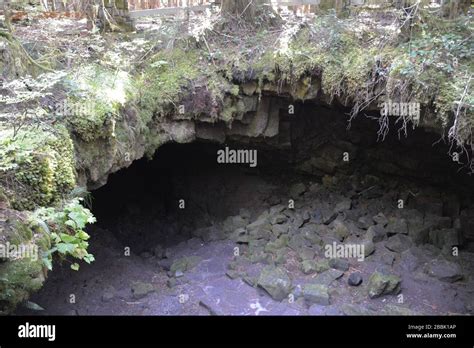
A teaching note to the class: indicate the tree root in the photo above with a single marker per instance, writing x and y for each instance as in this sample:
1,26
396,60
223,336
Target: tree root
19,47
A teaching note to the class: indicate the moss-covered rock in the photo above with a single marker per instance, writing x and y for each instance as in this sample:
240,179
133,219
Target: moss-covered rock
383,284
38,167
96,95
275,281
183,264
24,272
316,293
141,289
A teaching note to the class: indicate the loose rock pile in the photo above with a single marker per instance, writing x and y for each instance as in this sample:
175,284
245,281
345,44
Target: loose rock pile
284,250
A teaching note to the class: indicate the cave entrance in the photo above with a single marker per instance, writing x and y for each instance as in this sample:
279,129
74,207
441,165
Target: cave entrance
185,188
183,234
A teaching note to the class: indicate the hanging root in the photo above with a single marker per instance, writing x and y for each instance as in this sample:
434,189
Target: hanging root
460,134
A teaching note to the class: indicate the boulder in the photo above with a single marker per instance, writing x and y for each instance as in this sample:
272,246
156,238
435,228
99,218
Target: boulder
444,270
109,294
306,253
322,265
397,226
369,247
382,284
244,213
310,234
376,233
279,219
327,277
418,230
141,289
275,282
340,264
355,279
276,209
380,219
387,258
297,190
262,232
280,229
297,241
355,309
257,254
308,266
398,243
316,294
343,206
179,266
236,221
340,230
240,236
364,222
412,259
261,220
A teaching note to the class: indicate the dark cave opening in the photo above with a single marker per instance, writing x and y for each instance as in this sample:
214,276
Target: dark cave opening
181,189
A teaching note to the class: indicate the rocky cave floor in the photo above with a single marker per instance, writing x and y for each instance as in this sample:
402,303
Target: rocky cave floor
185,262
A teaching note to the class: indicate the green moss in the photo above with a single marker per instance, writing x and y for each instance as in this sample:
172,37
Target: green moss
38,167
235,90
3,198
23,234
431,68
18,279
447,101
95,124
228,113
340,60
163,80
96,95
434,67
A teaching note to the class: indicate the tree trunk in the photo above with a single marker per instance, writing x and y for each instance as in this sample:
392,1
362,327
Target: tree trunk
247,9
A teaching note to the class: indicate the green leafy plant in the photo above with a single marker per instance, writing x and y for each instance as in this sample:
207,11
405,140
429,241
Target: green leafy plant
66,227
